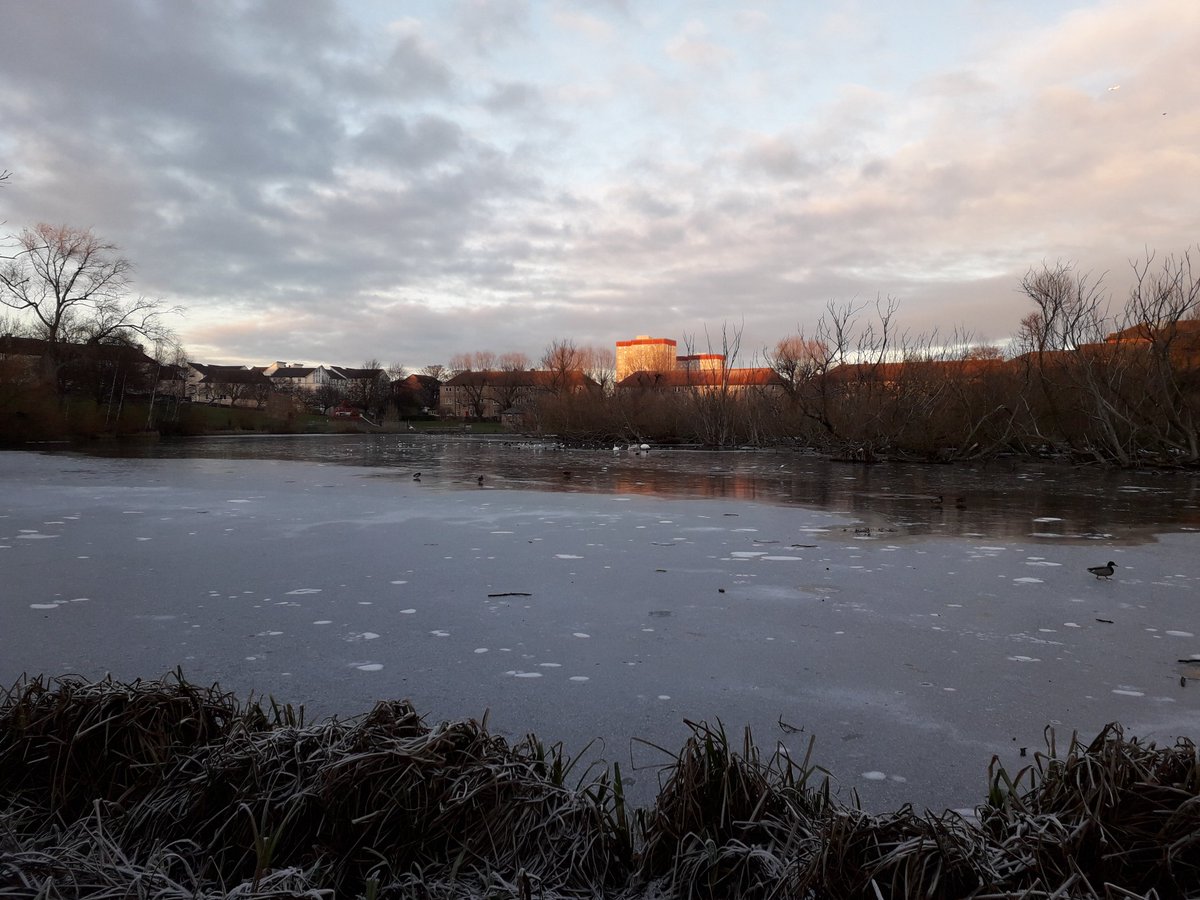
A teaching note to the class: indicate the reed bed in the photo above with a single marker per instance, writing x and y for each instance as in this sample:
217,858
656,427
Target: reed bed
165,789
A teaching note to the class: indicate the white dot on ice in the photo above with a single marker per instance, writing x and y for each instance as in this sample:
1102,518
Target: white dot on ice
874,775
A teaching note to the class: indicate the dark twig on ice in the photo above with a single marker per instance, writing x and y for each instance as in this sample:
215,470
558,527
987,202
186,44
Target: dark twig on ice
512,594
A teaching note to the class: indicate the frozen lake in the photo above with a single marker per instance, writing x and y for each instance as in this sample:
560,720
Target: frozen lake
614,602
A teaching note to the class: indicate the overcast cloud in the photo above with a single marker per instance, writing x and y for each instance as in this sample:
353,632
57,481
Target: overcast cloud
336,181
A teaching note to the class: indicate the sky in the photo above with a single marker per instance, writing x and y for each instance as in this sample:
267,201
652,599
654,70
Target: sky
332,181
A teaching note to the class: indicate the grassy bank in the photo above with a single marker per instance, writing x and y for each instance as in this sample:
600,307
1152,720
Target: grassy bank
165,789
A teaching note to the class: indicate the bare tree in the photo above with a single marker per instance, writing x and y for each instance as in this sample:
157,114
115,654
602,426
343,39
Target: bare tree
436,370
74,285
560,359
75,289
600,365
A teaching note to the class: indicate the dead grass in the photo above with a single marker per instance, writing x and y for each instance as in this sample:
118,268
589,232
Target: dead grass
166,790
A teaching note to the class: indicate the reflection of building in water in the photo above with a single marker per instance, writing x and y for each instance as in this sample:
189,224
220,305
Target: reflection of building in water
649,363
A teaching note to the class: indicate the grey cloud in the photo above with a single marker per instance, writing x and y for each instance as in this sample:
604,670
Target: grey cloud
491,24
393,141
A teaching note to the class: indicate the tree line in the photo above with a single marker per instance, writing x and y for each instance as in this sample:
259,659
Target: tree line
1088,376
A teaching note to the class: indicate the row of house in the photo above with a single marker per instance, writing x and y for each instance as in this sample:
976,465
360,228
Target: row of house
642,364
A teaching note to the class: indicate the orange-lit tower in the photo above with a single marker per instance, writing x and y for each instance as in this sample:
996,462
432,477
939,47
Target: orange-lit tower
645,354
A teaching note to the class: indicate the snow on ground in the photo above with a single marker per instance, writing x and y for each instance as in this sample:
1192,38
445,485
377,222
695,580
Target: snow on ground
584,615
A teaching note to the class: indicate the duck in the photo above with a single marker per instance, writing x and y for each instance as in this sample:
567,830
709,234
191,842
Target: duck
1104,571
960,502
937,501
479,481
416,476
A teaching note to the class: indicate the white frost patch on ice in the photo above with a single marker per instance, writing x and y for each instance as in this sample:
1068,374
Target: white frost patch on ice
481,649
874,775
1045,534
580,634
305,591
566,556
1028,580
1179,633
1047,519
1070,624
35,536
516,674
748,554
992,549
407,612
323,622
43,606
550,665
502,532
1024,659
370,667
782,558
578,678
399,582
1042,562
1126,692
664,696
366,635
745,529
237,501
437,632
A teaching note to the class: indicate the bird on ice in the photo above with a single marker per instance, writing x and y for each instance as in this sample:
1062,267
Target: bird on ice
1104,571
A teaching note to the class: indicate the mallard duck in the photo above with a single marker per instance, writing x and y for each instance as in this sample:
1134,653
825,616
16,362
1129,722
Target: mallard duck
1104,571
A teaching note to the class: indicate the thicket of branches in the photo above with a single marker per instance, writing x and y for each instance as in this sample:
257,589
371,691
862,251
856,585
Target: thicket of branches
1085,378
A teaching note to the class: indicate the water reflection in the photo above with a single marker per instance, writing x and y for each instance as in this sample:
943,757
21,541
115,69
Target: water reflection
1008,499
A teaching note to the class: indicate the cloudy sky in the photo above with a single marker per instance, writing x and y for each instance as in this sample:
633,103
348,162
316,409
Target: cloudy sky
335,180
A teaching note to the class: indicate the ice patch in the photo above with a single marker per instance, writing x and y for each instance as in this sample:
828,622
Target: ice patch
437,632
481,649
578,678
526,674
1042,562
1179,633
580,634
1028,580
874,775
782,558
664,696
323,622
566,556
550,665
35,536
747,554
1024,659
407,612
43,606
370,667
1126,692
1047,519
305,591
399,582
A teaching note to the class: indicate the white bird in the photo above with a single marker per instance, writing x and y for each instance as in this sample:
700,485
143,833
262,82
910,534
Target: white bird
1115,87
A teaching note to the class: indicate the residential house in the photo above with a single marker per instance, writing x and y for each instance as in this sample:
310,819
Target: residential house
705,380
489,394
228,385
417,395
